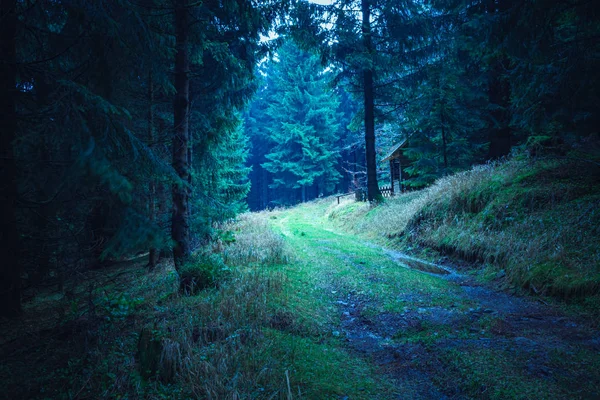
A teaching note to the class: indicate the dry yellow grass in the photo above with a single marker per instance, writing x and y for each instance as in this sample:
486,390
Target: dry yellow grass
255,241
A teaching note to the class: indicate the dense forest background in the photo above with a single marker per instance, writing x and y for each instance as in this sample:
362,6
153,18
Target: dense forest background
131,127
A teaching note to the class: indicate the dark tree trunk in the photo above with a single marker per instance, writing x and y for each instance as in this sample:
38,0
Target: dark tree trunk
45,187
190,156
161,212
180,228
10,269
355,185
444,140
153,254
499,95
265,188
373,193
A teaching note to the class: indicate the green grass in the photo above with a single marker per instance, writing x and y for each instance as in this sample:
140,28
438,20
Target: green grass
273,329
360,268
324,369
266,331
498,374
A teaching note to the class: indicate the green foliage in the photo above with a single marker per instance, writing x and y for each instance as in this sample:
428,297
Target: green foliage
117,307
303,123
221,180
204,270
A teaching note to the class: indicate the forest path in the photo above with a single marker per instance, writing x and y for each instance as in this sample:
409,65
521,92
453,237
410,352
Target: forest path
429,332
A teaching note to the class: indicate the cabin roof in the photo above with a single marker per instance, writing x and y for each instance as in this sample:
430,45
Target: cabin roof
395,152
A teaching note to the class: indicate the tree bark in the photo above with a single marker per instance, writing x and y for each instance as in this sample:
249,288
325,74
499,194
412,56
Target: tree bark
180,228
153,254
190,156
444,140
265,188
10,270
373,193
499,95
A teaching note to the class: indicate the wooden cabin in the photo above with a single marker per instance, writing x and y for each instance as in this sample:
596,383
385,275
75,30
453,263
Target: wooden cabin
398,162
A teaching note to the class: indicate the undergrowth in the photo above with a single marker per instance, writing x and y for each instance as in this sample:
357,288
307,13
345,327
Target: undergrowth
237,331
131,333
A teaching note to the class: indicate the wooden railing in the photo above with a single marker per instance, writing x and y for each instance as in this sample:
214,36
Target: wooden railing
359,195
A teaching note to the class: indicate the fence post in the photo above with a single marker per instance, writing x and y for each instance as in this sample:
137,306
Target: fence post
359,195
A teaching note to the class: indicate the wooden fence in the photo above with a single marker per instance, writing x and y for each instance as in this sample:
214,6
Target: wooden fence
386,191
359,195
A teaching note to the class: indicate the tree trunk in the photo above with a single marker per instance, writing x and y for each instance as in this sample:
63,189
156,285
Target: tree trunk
10,271
153,254
190,155
499,95
161,211
180,228
355,174
162,202
266,197
444,140
47,211
373,193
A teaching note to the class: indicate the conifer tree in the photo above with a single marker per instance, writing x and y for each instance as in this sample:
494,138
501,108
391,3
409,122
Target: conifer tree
180,226
303,125
222,182
10,271
94,119
371,43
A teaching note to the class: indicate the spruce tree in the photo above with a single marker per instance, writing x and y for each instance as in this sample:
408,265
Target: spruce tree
180,226
303,125
371,43
10,272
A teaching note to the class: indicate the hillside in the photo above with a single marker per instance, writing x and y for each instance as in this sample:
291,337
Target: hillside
532,224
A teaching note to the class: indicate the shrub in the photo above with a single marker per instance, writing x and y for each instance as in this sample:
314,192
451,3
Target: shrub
202,271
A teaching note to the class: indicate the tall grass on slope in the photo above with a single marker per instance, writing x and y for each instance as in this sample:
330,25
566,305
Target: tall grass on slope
214,345
536,220
222,331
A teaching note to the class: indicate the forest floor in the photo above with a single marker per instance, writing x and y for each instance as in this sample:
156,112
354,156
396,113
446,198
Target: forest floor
427,331
307,309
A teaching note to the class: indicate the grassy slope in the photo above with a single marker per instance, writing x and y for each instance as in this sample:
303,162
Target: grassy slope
538,223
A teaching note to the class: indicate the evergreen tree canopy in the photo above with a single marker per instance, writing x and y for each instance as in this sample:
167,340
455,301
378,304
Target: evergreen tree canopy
304,124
